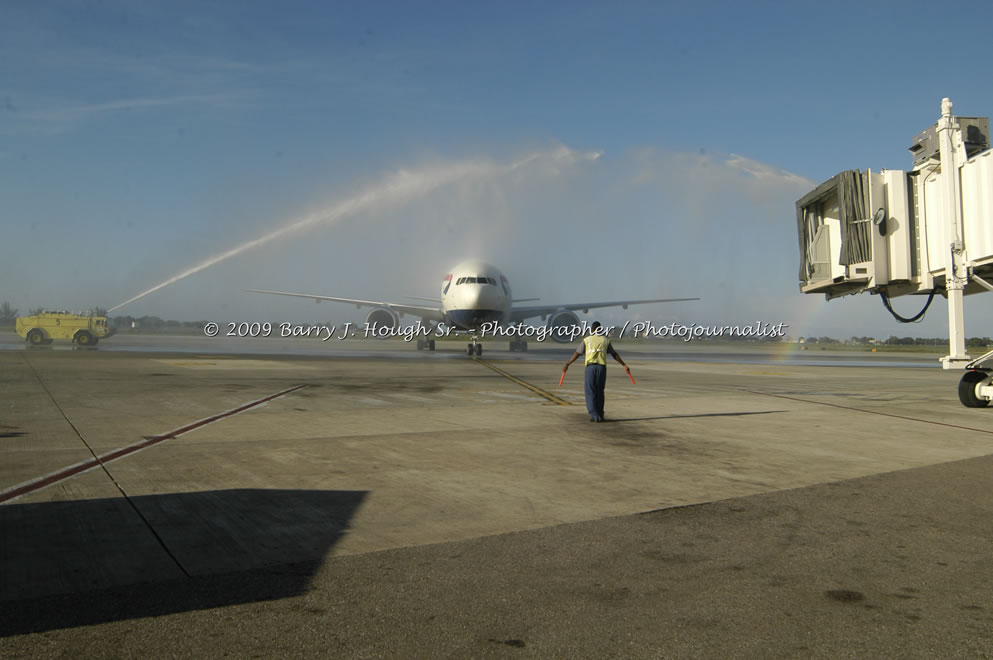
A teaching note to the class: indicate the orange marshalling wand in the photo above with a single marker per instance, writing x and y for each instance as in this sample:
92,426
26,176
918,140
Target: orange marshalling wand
628,369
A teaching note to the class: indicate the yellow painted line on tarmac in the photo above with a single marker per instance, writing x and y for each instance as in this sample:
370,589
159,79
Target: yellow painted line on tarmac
537,390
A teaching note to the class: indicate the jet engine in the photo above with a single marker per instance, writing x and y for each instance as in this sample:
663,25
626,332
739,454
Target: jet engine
564,327
381,321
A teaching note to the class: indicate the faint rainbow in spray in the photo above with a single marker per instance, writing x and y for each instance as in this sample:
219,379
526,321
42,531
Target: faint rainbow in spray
804,323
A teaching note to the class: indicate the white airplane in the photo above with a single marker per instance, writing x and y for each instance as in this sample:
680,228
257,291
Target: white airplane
475,297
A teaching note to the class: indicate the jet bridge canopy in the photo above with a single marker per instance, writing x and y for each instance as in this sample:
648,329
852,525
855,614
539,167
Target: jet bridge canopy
887,231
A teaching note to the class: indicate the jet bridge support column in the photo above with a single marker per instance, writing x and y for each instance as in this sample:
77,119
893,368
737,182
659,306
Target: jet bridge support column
956,273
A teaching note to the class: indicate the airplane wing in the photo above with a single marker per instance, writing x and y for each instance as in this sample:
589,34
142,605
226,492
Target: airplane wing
522,313
427,313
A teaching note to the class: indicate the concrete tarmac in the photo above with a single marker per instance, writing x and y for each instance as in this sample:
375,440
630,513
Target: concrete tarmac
433,506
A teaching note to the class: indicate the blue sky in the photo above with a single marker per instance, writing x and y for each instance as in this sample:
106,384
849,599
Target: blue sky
138,139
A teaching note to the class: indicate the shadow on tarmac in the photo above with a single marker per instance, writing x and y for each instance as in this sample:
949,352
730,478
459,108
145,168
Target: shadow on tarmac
66,564
729,414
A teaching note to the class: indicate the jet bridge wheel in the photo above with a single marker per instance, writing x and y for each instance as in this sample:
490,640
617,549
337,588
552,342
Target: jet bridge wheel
967,389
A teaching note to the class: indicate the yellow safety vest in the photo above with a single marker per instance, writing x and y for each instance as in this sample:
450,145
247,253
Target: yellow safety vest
596,349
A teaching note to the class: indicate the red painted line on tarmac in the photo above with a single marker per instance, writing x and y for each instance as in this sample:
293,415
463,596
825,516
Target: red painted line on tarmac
73,470
228,413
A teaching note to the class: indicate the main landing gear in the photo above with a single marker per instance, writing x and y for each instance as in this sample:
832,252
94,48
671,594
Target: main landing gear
519,345
425,343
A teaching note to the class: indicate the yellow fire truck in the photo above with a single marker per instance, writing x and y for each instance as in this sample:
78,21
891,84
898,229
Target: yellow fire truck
47,326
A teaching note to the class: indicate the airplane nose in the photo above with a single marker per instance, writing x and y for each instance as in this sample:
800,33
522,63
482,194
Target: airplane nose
472,297
475,306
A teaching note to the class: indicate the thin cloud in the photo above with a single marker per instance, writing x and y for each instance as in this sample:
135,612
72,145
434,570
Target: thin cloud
83,111
52,116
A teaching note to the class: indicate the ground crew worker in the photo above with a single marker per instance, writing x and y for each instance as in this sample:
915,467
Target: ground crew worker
595,347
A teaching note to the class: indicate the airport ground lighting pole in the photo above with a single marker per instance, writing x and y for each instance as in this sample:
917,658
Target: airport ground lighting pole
956,272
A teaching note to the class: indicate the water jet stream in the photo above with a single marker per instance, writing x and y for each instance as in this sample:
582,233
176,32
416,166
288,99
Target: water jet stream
398,188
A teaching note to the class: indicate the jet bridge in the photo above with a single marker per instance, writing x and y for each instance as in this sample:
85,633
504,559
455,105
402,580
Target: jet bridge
927,231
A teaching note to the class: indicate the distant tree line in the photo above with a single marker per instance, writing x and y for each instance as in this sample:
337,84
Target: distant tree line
8,314
893,340
152,323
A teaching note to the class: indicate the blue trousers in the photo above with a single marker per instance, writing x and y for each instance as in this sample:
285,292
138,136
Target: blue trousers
596,383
